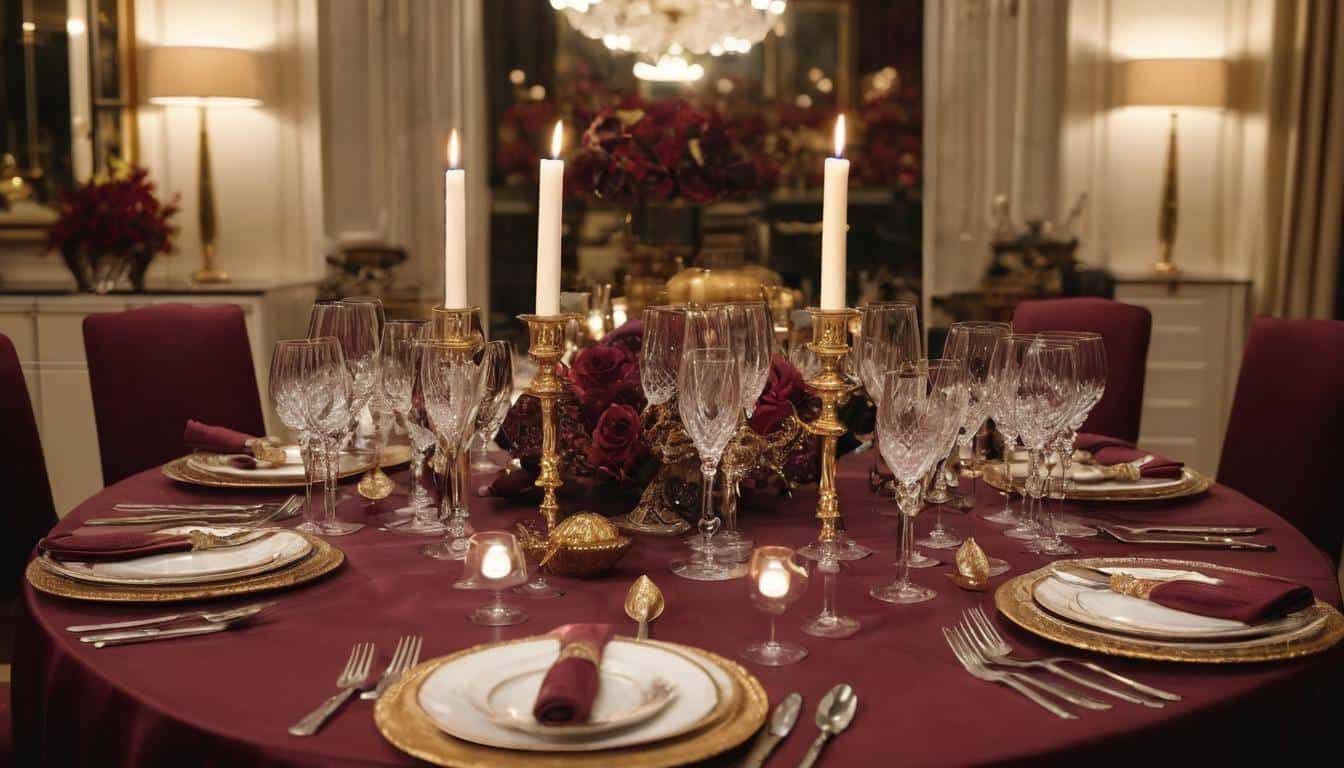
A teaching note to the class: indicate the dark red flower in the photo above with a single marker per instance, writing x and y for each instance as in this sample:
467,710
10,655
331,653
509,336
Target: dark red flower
600,372
784,390
630,335
616,446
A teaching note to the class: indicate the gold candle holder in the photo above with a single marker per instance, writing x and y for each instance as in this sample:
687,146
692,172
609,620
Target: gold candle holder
830,341
546,344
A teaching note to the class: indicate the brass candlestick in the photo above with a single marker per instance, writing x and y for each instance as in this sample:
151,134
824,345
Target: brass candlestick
546,343
831,343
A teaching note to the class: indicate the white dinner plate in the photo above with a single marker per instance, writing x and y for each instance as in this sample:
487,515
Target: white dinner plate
1113,612
1091,476
278,550
292,469
446,695
626,696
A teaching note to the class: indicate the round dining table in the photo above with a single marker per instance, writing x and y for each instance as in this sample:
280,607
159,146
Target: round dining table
228,698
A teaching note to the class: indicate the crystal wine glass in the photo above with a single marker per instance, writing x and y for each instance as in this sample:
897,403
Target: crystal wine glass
498,396
401,391
1047,395
777,581
707,400
660,352
1005,364
1091,358
451,380
357,324
974,342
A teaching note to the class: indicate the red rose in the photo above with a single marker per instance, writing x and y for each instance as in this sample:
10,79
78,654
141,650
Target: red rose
601,371
783,391
616,447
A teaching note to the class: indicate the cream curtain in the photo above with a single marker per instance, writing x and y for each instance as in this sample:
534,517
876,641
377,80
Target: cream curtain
1306,165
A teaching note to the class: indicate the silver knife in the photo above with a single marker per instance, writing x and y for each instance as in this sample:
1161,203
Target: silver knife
146,635
781,723
1211,542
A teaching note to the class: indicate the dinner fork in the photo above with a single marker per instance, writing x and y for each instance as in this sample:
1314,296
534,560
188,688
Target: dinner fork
983,672
998,650
354,677
406,655
1076,699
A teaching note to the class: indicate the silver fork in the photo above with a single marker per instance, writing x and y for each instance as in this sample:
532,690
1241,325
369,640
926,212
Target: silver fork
998,650
979,670
353,677
406,655
1076,699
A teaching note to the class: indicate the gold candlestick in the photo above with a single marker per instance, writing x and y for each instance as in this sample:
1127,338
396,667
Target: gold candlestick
831,342
546,343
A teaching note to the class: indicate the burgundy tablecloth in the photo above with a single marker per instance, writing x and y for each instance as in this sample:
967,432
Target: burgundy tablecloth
227,699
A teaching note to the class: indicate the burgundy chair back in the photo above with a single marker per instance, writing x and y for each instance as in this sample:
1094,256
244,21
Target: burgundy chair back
23,474
1282,446
1125,329
152,369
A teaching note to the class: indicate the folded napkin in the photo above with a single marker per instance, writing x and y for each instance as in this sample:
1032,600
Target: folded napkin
207,437
570,685
106,547
1112,450
1239,597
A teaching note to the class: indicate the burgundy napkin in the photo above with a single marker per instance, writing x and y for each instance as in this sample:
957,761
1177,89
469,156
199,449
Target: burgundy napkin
207,437
1113,450
105,547
570,685
1248,599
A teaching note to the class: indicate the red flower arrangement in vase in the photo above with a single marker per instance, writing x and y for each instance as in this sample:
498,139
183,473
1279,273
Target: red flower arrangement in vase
112,226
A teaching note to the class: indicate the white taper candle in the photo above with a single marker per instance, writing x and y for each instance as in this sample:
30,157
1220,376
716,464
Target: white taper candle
454,229
835,200
549,210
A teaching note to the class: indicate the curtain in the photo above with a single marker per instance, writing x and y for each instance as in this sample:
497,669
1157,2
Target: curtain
1306,206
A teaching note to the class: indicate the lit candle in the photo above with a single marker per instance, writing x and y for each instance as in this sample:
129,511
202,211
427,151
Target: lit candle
454,230
773,581
835,199
495,563
549,207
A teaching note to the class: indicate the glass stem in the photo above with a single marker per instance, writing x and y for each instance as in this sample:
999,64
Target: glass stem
310,459
708,525
907,545
333,458
772,642
827,589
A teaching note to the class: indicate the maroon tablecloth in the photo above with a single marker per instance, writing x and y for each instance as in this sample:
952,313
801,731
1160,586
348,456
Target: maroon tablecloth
227,699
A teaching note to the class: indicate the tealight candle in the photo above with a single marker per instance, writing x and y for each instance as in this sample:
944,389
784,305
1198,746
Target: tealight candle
777,581
496,563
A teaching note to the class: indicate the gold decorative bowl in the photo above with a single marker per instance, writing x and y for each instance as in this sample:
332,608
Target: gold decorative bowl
585,544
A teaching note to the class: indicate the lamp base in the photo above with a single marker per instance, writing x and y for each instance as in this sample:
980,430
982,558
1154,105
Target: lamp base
209,275
1166,268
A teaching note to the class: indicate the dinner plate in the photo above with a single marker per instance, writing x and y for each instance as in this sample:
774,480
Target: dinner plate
446,695
282,548
292,469
1094,478
1114,612
1190,483
627,695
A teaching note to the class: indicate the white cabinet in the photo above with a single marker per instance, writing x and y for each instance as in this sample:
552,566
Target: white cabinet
1199,329
48,333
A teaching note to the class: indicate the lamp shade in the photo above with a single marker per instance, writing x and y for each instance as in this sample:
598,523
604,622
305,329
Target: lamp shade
1174,83
195,76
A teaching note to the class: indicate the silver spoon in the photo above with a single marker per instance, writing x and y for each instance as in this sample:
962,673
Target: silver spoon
151,626
834,714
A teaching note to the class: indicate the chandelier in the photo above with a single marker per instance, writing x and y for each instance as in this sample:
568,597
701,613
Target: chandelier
661,32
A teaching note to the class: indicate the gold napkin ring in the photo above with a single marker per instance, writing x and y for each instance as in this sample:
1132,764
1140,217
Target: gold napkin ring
580,650
1125,584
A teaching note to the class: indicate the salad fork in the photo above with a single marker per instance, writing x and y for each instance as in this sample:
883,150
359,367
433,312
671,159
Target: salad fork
406,655
998,650
983,672
354,677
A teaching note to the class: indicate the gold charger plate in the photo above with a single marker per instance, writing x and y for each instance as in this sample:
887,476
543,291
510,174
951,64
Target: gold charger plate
181,470
1014,599
403,723
1192,483
323,559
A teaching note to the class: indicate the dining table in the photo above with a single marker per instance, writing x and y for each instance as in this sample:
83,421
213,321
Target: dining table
228,698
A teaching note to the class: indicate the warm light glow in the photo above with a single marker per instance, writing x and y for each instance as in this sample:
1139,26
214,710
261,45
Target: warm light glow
75,27
840,136
29,26
557,138
669,69
774,580
454,151
496,563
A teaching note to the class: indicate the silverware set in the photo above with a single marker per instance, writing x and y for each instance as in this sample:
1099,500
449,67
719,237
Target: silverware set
166,627
834,714
356,676
212,514
1189,536
984,653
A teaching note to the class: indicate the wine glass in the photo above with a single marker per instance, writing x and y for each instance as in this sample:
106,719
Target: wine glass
921,406
494,561
495,401
309,389
1005,363
402,393
974,342
1047,396
451,381
660,352
357,324
707,400
777,581
1091,359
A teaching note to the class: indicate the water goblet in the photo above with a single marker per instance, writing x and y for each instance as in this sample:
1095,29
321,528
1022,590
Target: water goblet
494,561
777,581
1047,393
1090,349
451,381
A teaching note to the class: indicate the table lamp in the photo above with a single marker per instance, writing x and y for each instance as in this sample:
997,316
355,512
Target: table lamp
204,77
1172,83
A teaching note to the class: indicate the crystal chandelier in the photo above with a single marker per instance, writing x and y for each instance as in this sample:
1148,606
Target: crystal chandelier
661,32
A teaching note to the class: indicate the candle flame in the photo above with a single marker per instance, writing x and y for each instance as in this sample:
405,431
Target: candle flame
453,149
557,138
840,136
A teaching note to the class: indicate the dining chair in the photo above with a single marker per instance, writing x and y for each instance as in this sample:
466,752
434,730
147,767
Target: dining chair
154,368
1282,446
30,512
1126,329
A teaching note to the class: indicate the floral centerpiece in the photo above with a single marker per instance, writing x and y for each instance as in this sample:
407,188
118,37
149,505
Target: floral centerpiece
113,226
606,435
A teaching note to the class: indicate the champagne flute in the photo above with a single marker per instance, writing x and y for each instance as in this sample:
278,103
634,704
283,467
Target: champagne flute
451,379
777,582
497,397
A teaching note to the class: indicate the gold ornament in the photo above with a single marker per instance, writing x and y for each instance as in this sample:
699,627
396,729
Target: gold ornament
584,544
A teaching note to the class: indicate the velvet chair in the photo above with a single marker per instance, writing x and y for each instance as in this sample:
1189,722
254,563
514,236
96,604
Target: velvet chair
1126,329
1282,446
152,369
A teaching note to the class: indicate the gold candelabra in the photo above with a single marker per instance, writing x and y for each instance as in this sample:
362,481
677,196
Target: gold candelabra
546,343
830,341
